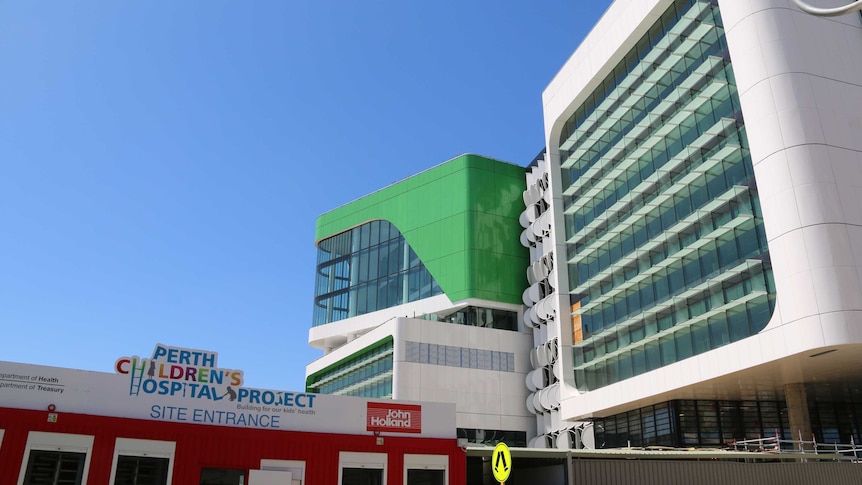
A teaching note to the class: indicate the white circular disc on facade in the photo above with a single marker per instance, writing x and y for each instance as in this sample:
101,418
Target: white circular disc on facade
535,380
540,441
533,293
525,297
522,219
537,404
551,351
525,241
554,395
588,439
558,369
535,194
528,318
542,356
564,441
538,310
546,268
532,213
536,268
535,318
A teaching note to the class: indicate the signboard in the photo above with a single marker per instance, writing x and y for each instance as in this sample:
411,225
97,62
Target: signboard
393,417
501,462
185,385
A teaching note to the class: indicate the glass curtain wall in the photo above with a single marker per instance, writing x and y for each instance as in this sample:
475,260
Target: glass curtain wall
666,251
366,374
685,423
365,269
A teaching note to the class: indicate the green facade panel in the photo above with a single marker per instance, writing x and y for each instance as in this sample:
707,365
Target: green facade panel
461,219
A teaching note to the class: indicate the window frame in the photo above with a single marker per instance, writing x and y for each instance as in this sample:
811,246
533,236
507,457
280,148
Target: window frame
146,449
351,459
426,462
58,442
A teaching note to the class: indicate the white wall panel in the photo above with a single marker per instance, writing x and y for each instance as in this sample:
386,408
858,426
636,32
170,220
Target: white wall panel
801,95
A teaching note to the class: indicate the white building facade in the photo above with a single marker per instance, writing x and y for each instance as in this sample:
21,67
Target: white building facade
695,229
418,296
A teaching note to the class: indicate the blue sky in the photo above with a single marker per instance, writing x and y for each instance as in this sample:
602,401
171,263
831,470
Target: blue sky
163,162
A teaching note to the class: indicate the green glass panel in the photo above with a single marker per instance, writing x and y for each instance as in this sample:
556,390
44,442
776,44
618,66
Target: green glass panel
460,218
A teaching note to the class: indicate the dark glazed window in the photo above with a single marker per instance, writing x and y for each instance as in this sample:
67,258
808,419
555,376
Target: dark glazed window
693,423
222,476
426,477
517,439
361,476
367,374
54,468
141,470
365,269
664,229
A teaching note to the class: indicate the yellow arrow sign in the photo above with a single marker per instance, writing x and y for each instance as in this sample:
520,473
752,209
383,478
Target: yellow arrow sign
501,462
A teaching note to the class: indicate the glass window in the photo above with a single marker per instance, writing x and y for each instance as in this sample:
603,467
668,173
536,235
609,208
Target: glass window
612,370
372,255
364,367
709,262
684,348
141,470
668,350
691,271
636,332
646,296
374,264
718,332
738,325
661,287
650,326
374,231
364,236
639,364
653,355
727,253
759,314
361,476
625,365
595,129
700,337
54,468
747,241
426,477
665,321
675,279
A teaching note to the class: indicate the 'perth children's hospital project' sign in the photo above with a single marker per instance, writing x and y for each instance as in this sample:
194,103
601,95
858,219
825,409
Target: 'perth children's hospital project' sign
186,385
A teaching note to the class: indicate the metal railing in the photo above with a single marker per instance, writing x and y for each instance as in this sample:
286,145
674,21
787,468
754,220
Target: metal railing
847,451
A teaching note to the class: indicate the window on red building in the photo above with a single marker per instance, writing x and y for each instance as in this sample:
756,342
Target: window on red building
54,468
222,476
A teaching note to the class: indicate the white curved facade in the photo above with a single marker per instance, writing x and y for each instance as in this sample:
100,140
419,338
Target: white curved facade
799,81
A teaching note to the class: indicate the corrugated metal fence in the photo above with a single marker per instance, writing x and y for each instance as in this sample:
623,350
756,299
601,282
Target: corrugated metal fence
657,472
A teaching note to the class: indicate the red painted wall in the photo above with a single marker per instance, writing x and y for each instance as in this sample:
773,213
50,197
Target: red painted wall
203,446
